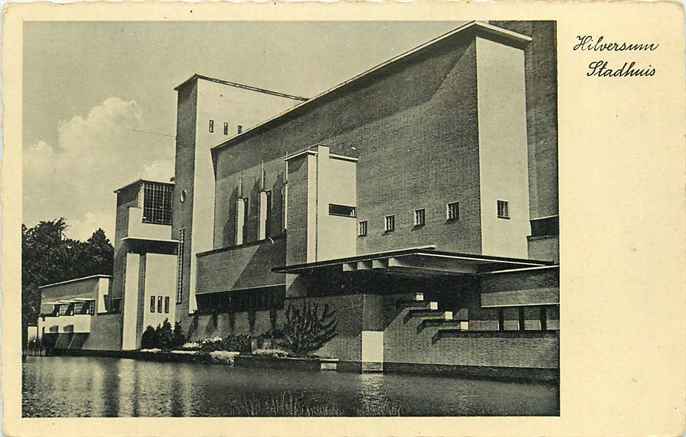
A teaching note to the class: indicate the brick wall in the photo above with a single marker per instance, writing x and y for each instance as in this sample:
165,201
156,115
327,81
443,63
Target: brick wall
541,93
413,127
105,333
402,344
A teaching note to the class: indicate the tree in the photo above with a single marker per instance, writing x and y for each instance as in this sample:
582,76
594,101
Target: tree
149,338
165,337
305,330
179,338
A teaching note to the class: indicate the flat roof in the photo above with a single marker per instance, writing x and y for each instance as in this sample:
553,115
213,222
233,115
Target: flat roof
84,278
141,181
418,258
240,85
514,38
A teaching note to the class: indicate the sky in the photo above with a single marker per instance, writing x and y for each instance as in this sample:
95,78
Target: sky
99,106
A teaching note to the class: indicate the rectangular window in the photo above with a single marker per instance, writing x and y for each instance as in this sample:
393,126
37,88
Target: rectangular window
159,304
419,217
543,316
152,304
342,210
362,228
226,128
265,215
179,265
157,202
389,223
522,319
211,126
166,304
503,209
241,216
452,211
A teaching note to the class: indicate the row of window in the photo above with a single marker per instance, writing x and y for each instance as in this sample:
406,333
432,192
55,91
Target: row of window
86,307
452,213
239,128
232,302
160,300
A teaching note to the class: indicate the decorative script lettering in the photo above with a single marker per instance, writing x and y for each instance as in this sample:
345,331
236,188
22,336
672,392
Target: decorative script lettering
602,68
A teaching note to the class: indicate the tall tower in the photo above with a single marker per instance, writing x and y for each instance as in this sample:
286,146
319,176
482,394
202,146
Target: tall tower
209,112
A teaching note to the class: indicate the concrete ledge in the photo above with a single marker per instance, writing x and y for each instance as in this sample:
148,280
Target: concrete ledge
518,374
258,362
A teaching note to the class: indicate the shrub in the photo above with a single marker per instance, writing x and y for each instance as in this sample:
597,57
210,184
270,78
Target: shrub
149,338
305,330
237,343
211,344
179,337
165,337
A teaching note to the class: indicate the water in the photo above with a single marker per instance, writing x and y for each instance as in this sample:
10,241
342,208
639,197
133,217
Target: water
96,387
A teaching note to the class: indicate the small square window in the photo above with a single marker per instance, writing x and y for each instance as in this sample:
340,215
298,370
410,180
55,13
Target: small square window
389,223
226,128
503,209
362,228
211,126
152,304
419,217
452,211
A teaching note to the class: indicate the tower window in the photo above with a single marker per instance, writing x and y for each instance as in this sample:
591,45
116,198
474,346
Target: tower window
179,266
159,304
452,211
157,201
342,210
211,127
226,128
152,304
166,304
265,214
389,223
503,209
362,228
419,217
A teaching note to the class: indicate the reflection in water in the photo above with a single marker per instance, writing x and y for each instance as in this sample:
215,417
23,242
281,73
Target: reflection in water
88,386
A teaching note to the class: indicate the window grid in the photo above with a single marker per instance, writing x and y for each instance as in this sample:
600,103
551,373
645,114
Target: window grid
389,223
362,228
179,266
419,217
453,211
503,209
157,200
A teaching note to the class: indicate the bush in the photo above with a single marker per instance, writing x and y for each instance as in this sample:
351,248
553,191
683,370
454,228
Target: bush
211,344
237,343
165,337
149,339
306,330
179,338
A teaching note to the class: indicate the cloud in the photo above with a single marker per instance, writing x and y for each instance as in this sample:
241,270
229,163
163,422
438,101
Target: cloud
94,154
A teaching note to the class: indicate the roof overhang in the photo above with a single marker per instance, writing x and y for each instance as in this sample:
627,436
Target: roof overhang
420,261
151,245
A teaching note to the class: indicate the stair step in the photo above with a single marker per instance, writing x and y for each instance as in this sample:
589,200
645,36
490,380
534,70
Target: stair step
412,304
423,312
441,322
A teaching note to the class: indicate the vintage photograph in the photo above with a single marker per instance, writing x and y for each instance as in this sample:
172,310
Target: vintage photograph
290,218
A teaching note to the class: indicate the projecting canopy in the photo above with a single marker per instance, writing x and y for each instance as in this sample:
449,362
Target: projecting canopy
415,261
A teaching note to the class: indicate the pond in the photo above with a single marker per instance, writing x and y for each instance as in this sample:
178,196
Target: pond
96,387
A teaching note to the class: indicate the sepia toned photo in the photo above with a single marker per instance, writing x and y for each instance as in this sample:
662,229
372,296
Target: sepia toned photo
272,219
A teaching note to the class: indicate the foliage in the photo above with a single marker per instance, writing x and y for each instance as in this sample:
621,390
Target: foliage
165,336
149,338
237,343
179,337
211,344
49,256
305,330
